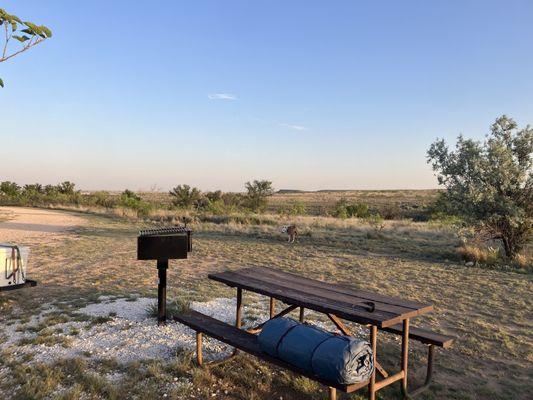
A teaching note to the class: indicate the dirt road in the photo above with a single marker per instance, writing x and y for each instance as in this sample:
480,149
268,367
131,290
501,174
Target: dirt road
30,225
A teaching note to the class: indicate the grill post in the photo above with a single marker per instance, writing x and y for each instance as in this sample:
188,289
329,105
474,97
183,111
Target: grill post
162,266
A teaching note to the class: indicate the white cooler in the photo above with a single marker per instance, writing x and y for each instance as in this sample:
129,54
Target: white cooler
13,261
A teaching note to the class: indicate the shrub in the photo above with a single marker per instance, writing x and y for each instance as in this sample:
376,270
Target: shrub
129,199
66,187
478,254
376,223
10,189
130,195
101,198
345,210
340,210
214,196
358,210
390,211
185,196
257,194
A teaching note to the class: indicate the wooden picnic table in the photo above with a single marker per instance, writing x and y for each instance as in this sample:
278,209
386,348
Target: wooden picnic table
338,301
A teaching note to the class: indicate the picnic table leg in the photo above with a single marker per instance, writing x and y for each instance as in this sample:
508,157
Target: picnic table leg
302,310
238,317
272,307
332,393
429,373
405,355
199,355
373,344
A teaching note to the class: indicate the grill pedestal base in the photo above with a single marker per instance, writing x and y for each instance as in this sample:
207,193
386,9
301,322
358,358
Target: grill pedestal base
162,266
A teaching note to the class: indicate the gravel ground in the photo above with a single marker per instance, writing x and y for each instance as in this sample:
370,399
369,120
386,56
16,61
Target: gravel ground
129,335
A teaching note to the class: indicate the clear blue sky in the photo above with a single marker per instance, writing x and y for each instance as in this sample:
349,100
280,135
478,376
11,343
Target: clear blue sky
309,94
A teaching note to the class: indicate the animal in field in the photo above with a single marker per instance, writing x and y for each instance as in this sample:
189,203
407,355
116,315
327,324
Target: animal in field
291,231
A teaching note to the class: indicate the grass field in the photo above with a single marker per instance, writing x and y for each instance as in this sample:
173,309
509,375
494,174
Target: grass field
398,203
488,310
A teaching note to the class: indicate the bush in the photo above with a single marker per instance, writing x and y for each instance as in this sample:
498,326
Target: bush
345,210
358,210
477,254
184,196
9,189
257,194
390,211
129,199
297,208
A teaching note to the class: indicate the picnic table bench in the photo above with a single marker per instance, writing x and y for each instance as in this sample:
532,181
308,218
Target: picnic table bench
339,302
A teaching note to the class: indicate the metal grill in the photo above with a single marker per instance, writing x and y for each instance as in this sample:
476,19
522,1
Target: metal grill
163,244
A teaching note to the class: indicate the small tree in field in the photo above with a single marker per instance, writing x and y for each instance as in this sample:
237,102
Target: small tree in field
66,188
10,189
490,184
26,33
185,196
257,193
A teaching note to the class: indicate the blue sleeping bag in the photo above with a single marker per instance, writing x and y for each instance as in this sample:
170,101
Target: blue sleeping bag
341,359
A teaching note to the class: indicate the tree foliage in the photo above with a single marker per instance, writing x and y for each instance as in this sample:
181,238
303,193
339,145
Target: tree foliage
490,184
25,33
257,193
66,187
185,196
10,189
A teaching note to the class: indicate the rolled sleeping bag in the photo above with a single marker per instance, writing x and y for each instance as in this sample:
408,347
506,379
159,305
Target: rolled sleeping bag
344,359
273,332
341,359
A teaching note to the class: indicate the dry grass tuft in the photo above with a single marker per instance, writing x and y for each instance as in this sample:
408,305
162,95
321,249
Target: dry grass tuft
476,254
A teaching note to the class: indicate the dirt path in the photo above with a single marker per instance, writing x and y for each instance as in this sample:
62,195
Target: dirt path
30,225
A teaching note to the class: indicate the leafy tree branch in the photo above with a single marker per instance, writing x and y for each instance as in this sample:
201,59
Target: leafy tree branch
26,33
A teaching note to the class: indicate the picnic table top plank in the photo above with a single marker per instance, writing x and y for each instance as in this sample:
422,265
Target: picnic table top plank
326,296
341,300
302,299
343,288
341,294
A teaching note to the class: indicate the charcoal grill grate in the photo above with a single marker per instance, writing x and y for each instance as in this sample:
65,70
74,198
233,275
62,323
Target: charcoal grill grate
164,231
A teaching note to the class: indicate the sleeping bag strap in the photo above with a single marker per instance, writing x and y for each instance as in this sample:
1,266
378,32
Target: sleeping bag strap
283,337
320,344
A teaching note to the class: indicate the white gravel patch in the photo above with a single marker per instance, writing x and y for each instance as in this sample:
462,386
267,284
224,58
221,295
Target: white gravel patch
130,334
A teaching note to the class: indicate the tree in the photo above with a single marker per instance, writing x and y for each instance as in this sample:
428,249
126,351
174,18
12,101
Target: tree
26,33
33,189
66,187
185,196
214,196
490,184
10,189
257,193
50,190
128,194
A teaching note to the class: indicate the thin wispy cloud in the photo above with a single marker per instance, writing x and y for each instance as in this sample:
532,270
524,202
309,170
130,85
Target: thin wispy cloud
293,127
221,96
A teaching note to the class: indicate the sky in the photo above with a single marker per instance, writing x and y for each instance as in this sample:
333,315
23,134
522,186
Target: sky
308,94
